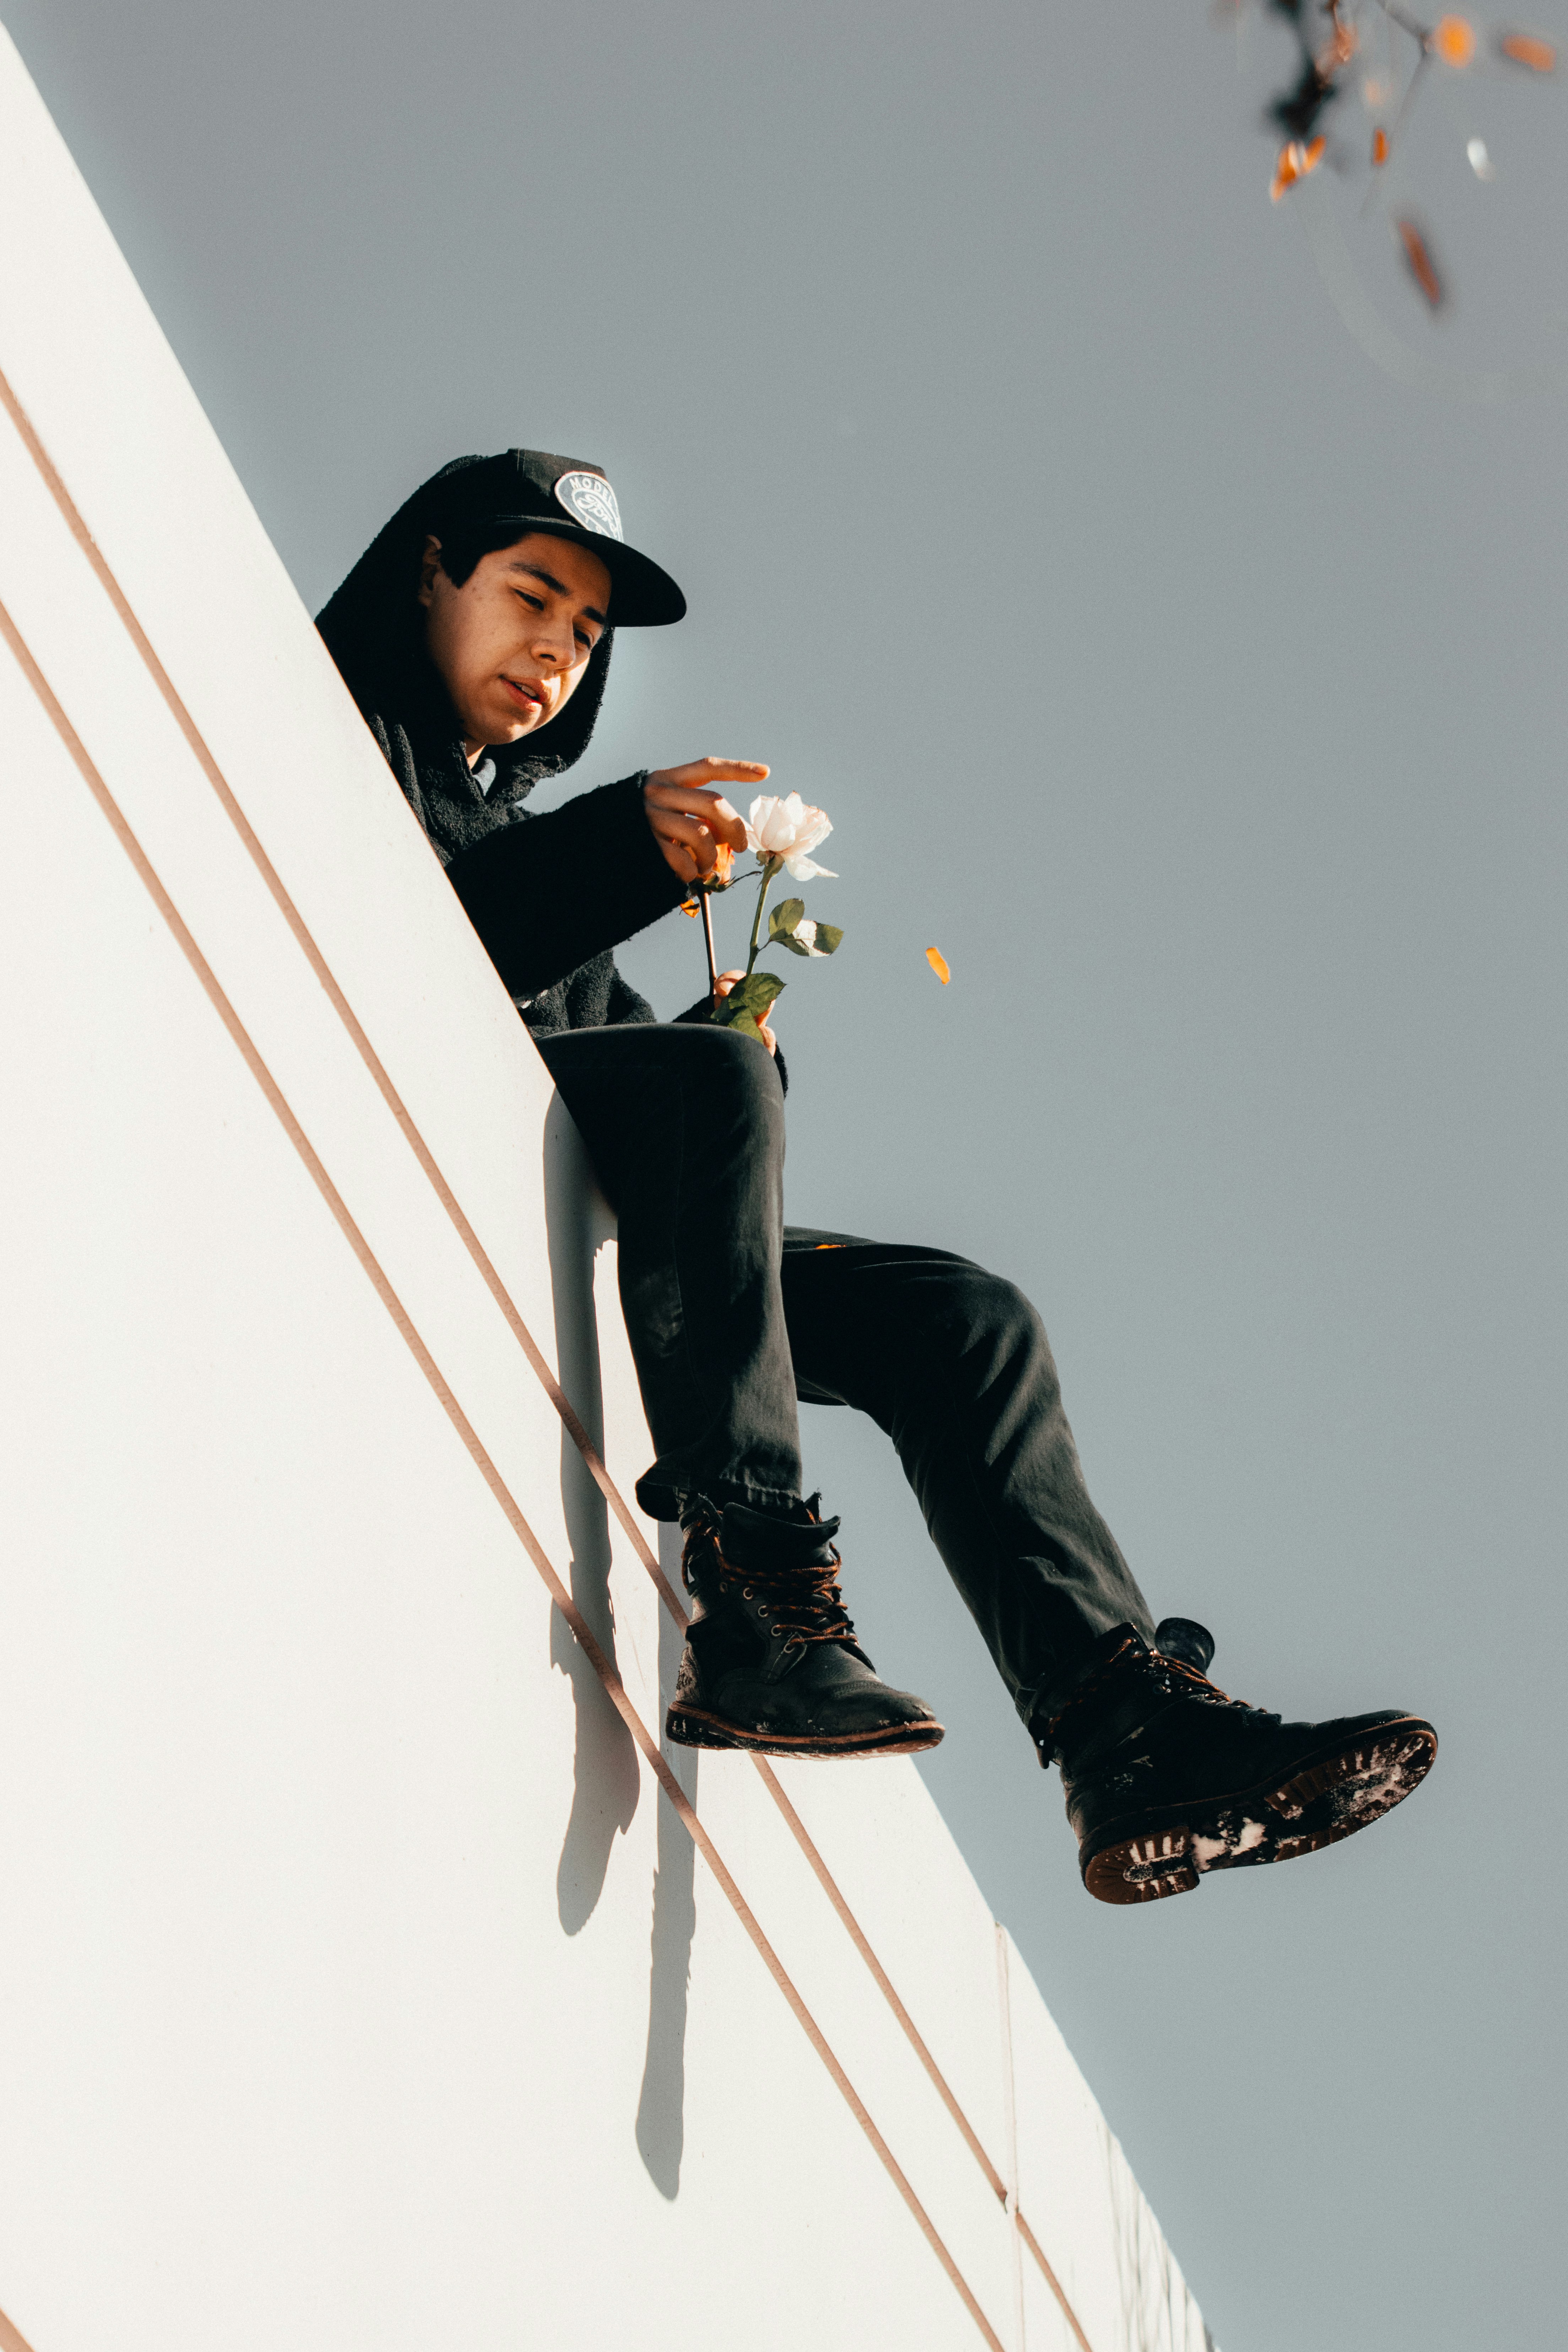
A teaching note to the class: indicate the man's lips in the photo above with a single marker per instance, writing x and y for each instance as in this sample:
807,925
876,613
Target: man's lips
526,696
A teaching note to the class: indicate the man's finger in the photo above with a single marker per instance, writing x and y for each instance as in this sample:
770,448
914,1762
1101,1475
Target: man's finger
720,771
709,810
711,772
700,836
694,799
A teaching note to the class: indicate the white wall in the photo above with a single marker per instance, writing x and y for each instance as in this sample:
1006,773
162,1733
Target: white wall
358,1983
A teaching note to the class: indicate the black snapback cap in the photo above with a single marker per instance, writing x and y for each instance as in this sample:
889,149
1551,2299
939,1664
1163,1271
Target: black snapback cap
571,499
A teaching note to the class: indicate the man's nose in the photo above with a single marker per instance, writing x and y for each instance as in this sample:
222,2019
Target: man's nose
553,647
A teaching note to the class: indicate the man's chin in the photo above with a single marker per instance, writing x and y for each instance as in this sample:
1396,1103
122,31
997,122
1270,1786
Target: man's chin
513,725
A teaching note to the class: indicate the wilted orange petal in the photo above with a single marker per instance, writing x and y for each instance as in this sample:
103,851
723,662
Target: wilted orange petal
1454,39
689,907
1526,50
1380,145
1314,156
1420,261
939,964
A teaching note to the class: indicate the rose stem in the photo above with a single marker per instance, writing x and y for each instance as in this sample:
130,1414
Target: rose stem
707,941
769,870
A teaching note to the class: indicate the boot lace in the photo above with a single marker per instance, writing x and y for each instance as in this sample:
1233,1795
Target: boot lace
1185,1682
803,1604
1172,1676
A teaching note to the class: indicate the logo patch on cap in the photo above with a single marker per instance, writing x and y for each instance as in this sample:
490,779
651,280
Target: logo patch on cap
589,500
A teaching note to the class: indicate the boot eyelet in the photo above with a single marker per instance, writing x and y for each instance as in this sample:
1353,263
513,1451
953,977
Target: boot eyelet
746,1591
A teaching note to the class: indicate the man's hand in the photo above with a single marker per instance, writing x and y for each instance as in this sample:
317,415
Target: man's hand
692,819
727,981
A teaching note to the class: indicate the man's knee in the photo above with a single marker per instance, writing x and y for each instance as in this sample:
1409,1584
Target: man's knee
999,1309
990,1323
734,1075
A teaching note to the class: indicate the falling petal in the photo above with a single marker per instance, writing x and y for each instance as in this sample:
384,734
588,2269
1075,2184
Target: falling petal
939,964
1380,145
1453,38
1481,164
1526,50
1419,262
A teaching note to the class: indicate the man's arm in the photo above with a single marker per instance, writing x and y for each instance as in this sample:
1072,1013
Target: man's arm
549,893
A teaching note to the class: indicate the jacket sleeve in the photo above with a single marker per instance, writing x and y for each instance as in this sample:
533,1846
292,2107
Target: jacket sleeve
553,892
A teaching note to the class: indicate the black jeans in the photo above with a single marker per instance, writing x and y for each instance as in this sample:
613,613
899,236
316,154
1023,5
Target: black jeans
732,1315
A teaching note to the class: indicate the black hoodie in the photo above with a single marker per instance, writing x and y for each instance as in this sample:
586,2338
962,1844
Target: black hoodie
550,896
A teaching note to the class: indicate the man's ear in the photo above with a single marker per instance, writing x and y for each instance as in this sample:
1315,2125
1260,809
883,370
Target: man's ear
429,564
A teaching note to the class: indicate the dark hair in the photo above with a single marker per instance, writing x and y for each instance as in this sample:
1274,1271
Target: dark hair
464,544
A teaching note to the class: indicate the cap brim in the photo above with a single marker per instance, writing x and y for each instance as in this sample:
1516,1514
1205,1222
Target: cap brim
642,595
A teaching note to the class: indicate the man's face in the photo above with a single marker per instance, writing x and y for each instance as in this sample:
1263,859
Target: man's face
513,641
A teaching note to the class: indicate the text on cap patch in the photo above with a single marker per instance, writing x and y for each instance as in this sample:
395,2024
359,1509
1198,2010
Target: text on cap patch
589,500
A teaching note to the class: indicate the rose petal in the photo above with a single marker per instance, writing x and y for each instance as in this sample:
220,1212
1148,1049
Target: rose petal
939,964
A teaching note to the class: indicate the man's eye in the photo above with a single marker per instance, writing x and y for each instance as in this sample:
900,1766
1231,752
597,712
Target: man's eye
534,603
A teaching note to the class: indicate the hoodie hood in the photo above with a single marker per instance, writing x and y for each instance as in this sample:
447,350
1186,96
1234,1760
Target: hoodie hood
374,627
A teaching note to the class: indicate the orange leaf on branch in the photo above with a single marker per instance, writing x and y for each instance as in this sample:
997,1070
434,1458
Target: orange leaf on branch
1453,38
1419,262
1294,163
1342,49
1525,49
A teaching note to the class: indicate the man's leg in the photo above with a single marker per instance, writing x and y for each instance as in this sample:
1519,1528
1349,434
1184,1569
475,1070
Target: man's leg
953,1364
684,1128
1165,1776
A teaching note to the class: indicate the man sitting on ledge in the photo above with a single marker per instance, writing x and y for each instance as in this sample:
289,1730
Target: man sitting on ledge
475,635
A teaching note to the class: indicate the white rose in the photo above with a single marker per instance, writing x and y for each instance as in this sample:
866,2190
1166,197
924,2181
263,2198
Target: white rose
787,828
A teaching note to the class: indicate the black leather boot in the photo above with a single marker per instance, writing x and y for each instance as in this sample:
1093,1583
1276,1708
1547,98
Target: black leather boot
771,1660
1167,1777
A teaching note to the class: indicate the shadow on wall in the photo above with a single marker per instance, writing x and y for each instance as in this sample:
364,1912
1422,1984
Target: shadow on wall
661,2108
607,1778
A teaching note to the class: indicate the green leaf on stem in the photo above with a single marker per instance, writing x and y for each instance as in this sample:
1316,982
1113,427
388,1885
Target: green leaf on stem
784,918
810,939
748,1001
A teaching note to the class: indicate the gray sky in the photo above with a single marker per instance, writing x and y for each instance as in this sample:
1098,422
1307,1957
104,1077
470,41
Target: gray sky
1198,689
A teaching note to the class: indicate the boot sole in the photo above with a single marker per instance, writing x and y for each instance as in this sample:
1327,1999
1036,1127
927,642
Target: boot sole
690,1726
1328,1797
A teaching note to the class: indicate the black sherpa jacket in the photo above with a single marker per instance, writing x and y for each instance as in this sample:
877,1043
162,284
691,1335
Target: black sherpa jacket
550,896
